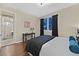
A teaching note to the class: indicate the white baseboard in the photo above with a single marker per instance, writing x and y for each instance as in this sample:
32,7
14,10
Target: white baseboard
9,43
17,42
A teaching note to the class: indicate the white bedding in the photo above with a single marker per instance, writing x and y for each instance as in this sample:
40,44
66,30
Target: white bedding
58,46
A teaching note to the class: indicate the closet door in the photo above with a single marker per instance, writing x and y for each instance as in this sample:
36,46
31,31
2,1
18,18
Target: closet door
41,27
55,25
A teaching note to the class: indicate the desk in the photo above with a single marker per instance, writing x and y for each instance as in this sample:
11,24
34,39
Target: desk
25,35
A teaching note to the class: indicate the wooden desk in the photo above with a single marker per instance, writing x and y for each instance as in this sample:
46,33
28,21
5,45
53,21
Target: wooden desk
25,35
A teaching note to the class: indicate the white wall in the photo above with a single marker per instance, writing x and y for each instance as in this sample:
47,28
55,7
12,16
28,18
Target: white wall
68,20
20,17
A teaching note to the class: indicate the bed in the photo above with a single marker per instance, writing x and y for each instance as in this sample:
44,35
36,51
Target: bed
34,45
59,46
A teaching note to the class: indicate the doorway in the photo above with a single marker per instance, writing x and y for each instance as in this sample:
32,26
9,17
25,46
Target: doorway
7,28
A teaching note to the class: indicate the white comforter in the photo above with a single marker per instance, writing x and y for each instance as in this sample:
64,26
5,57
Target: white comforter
58,46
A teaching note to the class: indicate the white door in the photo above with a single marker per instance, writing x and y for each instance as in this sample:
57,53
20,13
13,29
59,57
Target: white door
7,31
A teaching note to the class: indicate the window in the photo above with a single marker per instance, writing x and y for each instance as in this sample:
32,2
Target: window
47,23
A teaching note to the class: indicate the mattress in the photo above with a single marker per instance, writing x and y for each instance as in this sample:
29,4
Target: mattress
59,46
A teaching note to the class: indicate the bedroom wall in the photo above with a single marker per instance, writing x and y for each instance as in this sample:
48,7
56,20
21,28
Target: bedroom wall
20,25
68,20
19,28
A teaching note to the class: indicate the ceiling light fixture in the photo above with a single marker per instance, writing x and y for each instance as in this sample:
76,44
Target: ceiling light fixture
43,4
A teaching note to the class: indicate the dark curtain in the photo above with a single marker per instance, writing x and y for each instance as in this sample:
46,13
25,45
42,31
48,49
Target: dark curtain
55,25
41,27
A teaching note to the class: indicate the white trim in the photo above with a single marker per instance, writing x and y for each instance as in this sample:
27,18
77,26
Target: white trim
10,43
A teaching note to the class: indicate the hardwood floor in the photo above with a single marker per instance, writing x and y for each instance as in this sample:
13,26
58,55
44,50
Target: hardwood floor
16,49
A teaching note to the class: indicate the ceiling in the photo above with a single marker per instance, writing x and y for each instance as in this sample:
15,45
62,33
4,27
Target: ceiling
37,10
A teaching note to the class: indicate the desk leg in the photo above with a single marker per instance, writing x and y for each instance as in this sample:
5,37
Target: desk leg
23,38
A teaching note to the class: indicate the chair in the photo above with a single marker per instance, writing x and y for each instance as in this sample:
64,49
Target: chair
73,45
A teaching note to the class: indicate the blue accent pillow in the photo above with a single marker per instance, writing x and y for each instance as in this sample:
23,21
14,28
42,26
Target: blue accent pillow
73,45
74,49
71,38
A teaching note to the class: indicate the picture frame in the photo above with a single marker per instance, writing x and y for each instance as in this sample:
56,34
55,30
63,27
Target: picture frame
26,24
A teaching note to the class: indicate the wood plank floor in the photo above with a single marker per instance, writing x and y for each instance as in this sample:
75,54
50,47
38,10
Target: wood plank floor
16,49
